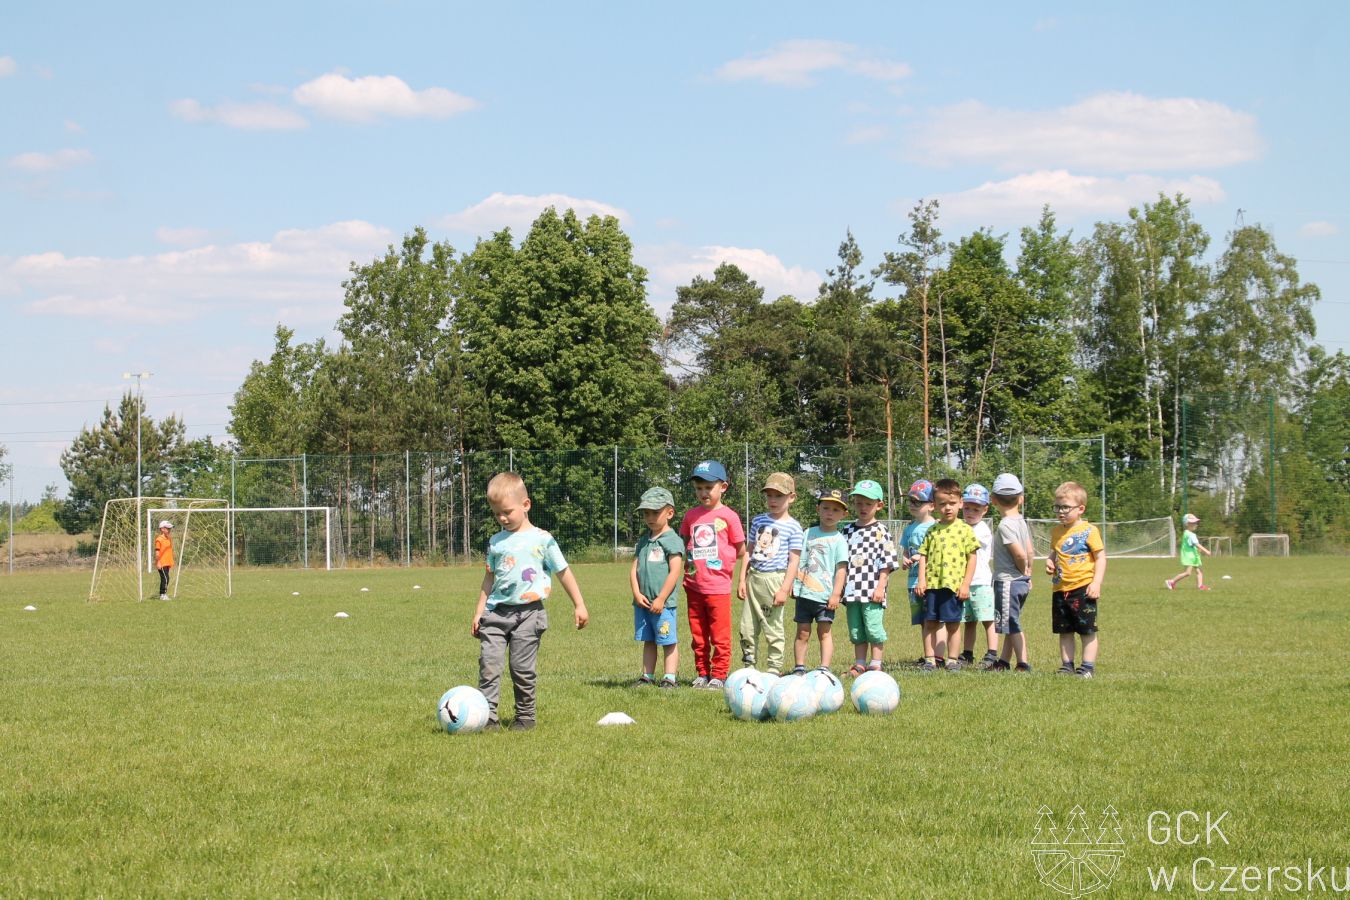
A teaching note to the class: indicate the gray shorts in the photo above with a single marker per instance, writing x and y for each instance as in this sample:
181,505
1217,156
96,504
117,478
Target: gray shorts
1009,597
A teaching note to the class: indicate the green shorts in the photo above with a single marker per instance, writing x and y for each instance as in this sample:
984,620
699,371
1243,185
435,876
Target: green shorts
866,622
980,606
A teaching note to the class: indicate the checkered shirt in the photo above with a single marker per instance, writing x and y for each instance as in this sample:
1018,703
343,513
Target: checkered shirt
871,551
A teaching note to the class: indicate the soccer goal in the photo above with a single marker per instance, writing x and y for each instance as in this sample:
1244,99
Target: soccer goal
1218,544
125,559
301,537
1268,545
1140,538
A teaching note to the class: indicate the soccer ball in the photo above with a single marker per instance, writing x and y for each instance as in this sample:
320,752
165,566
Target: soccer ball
875,694
748,701
463,710
827,690
733,682
790,699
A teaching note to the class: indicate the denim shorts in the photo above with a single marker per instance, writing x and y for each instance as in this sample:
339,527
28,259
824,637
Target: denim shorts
658,628
808,611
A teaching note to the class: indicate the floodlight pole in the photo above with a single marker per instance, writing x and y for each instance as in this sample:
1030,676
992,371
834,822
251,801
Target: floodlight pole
140,414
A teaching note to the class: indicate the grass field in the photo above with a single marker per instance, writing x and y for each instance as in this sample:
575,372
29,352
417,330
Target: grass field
258,746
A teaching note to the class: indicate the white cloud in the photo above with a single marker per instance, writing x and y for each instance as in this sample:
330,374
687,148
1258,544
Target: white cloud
260,116
794,63
73,127
866,135
50,162
1117,132
1021,197
1318,229
297,269
182,237
673,265
8,66
375,96
518,212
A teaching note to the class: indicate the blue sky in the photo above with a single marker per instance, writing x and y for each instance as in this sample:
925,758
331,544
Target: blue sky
179,178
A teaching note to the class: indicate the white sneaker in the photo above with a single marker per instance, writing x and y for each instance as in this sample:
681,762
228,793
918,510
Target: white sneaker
699,682
164,596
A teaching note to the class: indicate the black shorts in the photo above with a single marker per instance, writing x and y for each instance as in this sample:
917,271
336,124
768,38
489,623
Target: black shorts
1071,612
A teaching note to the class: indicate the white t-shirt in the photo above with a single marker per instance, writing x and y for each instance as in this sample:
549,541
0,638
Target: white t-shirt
984,573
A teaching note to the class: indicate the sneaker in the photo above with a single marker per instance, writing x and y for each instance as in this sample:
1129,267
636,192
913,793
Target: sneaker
928,667
668,683
799,670
855,670
1065,669
967,657
986,664
954,665
164,596
1083,673
1024,668
1170,584
645,679
699,682
716,684
1204,587
522,725
999,665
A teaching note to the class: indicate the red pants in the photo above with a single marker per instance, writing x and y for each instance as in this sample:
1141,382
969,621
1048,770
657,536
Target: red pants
710,632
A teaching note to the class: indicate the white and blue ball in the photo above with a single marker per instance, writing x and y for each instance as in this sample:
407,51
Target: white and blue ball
734,680
747,702
875,694
827,690
463,710
791,700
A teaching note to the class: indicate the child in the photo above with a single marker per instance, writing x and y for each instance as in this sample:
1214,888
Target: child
1013,553
980,606
871,559
819,586
164,557
921,518
946,568
1077,565
658,564
775,554
1190,554
510,611
714,542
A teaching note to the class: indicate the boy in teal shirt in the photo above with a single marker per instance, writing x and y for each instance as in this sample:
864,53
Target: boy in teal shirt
521,560
658,565
819,586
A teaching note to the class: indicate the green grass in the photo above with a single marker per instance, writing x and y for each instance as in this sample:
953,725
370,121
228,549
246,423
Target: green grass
259,747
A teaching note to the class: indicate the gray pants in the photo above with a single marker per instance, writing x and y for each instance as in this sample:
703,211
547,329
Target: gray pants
517,629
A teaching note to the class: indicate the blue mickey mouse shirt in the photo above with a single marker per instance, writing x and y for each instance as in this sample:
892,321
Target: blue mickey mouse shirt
521,563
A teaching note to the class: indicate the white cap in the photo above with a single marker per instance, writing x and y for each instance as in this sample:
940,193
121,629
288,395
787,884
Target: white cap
165,524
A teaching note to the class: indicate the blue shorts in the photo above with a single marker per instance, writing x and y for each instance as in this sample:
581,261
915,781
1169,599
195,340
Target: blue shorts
659,628
1009,598
916,607
942,605
808,611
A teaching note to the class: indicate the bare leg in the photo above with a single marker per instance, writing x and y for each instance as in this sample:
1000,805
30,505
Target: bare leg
968,637
1018,644
826,643
648,657
929,639
1089,648
672,652
990,636
1066,648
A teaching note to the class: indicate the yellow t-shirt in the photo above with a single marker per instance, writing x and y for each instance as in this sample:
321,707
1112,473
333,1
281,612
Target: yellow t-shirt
1074,547
946,550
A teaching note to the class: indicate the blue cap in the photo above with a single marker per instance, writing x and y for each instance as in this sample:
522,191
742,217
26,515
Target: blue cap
710,470
976,493
921,490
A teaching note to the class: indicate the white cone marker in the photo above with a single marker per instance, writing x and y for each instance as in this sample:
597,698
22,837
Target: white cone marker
341,615
30,609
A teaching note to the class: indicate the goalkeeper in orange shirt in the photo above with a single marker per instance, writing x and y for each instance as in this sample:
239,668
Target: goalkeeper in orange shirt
164,557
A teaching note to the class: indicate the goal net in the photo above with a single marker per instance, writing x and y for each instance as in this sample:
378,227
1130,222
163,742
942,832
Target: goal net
124,567
1141,538
1268,545
303,537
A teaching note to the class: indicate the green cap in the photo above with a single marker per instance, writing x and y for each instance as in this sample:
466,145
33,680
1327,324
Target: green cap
656,498
869,489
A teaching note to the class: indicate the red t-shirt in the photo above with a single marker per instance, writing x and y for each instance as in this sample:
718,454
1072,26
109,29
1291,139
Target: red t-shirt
712,540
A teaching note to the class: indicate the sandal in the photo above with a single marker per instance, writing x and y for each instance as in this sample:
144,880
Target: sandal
855,670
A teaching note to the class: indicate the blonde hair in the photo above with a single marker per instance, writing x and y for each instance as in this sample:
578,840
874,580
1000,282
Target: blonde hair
506,485
1074,491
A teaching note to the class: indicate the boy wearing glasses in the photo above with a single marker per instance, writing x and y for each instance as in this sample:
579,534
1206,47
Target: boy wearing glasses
1076,565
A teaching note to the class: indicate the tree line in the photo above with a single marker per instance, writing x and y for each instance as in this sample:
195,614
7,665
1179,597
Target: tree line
955,346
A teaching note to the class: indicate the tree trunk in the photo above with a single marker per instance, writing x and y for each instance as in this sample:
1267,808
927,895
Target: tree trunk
946,398
923,365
